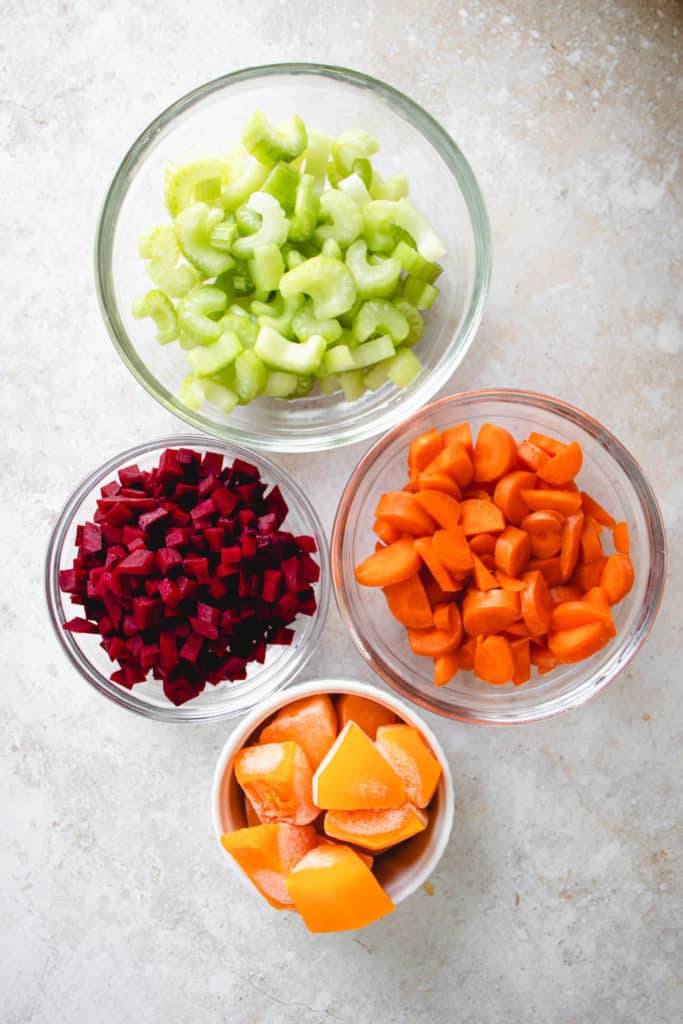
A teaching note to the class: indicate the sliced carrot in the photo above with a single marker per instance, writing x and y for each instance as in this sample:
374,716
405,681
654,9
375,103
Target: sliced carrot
547,444
563,466
483,544
495,453
598,526
387,533
521,658
392,564
565,502
489,611
431,643
536,603
569,486
447,617
621,538
588,576
424,449
435,594
508,494
411,487
451,547
445,667
483,577
572,645
454,460
425,548
438,482
513,550
476,492
466,653
508,582
545,532
543,658
408,603
549,567
441,507
519,629
571,544
565,592
591,547
489,562
573,613
479,516
597,599
592,508
379,545
405,513
493,660
617,577
531,455
461,433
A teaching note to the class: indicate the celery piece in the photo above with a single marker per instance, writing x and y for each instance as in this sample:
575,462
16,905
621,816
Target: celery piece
344,216
393,188
267,267
274,225
354,187
160,247
331,249
223,235
280,385
282,184
208,191
246,176
240,324
181,182
416,224
315,158
305,324
268,144
342,358
352,384
306,208
159,244
403,368
377,375
156,305
371,281
362,168
351,146
248,221
328,282
226,283
380,315
328,385
278,314
416,265
378,217
191,393
415,322
292,357
250,376
304,386
346,319
219,396
294,258
193,227
205,360
419,293
193,310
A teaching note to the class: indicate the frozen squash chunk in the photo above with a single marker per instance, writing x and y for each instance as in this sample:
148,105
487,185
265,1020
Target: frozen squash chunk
355,775
249,812
276,777
268,853
334,891
365,713
404,748
311,722
376,829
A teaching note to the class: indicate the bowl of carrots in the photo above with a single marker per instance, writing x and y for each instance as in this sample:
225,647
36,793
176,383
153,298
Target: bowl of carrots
499,557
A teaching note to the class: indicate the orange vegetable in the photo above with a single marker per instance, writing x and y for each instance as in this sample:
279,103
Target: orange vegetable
376,830
435,595
432,643
405,513
335,891
571,544
466,653
268,853
389,565
565,502
489,611
460,433
513,549
408,603
423,450
543,658
531,455
483,544
311,722
565,592
597,599
276,777
438,482
521,658
488,561
250,814
519,629
479,516
621,538
354,775
387,533
536,603
367,714
495,453
617,577
572,645
591,508
493,660
455,461
480,493
425,548
591,546
451,548
508,582
441,507
445,667
411,759
547,444
563,466
573,613
545,532
446,616
550,567
483,577
508,494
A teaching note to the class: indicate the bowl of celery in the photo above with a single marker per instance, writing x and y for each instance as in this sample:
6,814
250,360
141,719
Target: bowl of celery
293,256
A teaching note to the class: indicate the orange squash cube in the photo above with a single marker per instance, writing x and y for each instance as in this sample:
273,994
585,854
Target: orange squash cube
376,830
277,777
365,713
311,722
411,758
268,853
355,775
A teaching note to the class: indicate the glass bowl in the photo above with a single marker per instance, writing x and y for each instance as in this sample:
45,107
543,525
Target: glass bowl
610,474
227,699
209,120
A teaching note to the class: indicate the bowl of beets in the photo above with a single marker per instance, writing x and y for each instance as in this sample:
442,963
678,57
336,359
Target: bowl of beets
188,580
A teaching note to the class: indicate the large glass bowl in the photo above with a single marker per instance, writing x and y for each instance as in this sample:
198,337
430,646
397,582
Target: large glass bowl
228,699
610,474
209,120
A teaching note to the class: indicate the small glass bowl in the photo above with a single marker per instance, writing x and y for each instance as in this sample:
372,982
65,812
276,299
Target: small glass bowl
228,699
210,120
610,474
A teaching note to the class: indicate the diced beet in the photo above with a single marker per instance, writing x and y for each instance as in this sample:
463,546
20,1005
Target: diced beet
135,501
247,518
207,613
80,625
129,533
177,537
146,521
117,649
79,535
179,688
283,636
272,580
306,544
205,629
68,583
141,562
248,546
290,571
146,612
197,567
267,524
192,647
151,586
130,475
188,588
224,500
169,467
169,560
103,583
212,463
277,504
169,592
221,571
205,510
217,589
118,514
113,606
308,604
207,484
309,568
241,468
109,490
186,494
215,537
111,534
106,626
187,456
259,652
231,555
129,627
149,655
92,538
179,517
136,544
168,651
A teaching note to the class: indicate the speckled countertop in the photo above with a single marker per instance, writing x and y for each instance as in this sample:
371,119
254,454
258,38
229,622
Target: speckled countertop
558,899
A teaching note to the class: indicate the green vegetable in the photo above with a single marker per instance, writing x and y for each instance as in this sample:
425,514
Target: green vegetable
341,358
267,267
345,219
250,376
282,184
419,293
193,313
274,225
327,281
380,315
205,360
280,385
305,324
291,356
270,144
194,226
181,183
371,281
161,310
416,265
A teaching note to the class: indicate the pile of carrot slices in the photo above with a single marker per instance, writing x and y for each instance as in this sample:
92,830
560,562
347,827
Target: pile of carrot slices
494,559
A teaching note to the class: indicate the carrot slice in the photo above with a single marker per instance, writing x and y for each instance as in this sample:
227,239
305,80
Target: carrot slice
588,576
451,547
572,645
543,658
565,502
438,482
405,513
571,543
461,433
617,577
545,532
621,539
483,577
476,492
547,444
489,562
550,567
520,629
387,533
447,617
591,547
574,613
591,508
425,548
489,611
495,453
536,603
521,672
531,455
466,653
441,507
445,667
479,516
508,494
597,599
493,660
423,450
563,466
508,582
408,603
389,565
513,550
483,544
455,461
431,643
564,592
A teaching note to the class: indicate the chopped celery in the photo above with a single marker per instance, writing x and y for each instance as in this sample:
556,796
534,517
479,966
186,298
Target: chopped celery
416,265
351,146
328,385
305,324
377,375
278,314
345,218
352,384
223,398
331,249
291,356
193,313
415,322
250,376
378,217
193,227
306,208
248,221
315,158
274,225
294,258
328,282
354,187
282,183
304,386
159,245
247,176
416,224
380,315
267,266
393,188
181,183
403,368
280,385
161,310
342,358
419,293
270,144
240,323
191,393
223,235
371,281
205,360
362,168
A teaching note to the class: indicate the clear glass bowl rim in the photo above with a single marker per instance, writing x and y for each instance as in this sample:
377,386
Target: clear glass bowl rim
65,523
630,643
285,441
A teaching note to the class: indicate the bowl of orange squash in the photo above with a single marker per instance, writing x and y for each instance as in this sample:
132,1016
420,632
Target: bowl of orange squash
333,800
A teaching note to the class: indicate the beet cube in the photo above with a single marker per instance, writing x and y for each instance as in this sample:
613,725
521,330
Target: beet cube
245,469
177,537
306,544
169,560
146,612
277,504
248,545
68,582
92,538
167,649
79,625
130,475
215,536
111,534
136,544
109,490
192,647
146,521
141,562
212,463
231,555
207,613
272,581
169,592
205,629
205,510
197,567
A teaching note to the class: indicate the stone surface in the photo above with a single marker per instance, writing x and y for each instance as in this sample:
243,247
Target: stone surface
556,900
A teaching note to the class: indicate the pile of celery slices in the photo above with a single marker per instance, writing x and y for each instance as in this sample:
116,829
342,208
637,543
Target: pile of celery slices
288,264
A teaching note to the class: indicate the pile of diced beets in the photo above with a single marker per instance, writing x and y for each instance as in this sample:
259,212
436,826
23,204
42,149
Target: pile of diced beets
186,573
